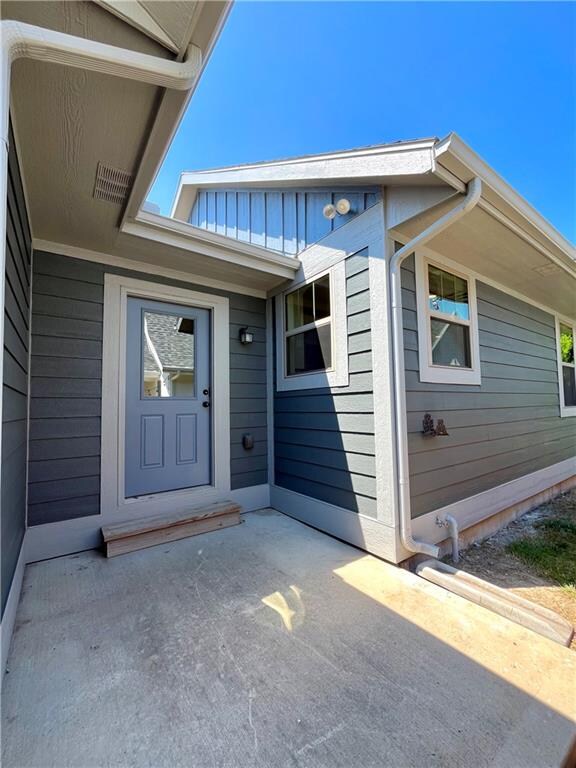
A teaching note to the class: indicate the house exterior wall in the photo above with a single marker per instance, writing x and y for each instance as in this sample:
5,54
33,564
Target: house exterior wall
283,220
506,427
15,379
324,438
66,384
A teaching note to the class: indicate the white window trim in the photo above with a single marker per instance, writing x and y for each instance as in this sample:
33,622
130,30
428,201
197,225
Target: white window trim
437,374
565,410
337,375
114,505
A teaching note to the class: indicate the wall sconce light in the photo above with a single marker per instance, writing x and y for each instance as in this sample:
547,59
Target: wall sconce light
245,336
429,430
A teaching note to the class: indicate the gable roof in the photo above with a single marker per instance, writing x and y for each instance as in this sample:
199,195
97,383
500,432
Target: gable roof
425,162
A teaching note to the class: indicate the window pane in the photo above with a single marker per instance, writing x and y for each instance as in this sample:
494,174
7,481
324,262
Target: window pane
450,344
322,298
168,342
309,351
566,343
309,303
300,307
447,293
569,380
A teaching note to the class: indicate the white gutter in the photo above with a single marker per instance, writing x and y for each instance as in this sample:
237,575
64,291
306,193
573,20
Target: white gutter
19,41
474,191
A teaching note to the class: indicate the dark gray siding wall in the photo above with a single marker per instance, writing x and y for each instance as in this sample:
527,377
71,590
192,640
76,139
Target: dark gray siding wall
324,438
15,384
508,426
67,307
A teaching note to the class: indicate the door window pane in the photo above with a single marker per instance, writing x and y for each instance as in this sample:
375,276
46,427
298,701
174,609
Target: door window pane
168,355
566,343
569,382
309,351
450,344
447,293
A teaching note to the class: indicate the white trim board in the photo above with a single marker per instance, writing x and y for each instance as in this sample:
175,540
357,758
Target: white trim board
483,505
566,411
113,503
11,608
68,536
121,262
359,530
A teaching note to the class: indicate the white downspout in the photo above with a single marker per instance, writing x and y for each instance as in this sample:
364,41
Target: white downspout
18,41
473,193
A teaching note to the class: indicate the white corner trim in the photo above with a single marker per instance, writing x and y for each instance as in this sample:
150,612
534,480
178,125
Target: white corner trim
359,530
476,508
122,262
337,375
11,607
113,503
565,410
270,389
436,374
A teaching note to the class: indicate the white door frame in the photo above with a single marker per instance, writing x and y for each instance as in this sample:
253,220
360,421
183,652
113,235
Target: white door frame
113,502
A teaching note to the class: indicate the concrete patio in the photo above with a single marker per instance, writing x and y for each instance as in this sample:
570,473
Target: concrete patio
271,644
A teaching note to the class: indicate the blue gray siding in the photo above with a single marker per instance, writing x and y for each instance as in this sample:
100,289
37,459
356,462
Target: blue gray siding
324,438
15,384
64,473
506,427
283,220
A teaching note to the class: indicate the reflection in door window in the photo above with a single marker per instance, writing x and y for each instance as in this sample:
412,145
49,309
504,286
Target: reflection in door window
168,354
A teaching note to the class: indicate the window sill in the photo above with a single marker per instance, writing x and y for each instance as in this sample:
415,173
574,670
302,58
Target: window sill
457,376
324,379
567,410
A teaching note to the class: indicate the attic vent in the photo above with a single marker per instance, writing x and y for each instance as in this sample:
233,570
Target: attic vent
111,184
547,269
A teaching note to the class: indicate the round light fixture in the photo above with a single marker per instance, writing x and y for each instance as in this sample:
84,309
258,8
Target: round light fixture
329,211
343,206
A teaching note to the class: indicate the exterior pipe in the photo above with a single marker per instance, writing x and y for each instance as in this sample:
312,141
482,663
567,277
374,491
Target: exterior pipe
18,41
452,524
473,194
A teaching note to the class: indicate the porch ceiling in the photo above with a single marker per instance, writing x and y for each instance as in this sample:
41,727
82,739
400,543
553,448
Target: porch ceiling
485,245
272,644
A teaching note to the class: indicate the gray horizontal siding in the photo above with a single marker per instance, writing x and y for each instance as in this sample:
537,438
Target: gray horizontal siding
283,220
15,375
66,387
506,427
324,438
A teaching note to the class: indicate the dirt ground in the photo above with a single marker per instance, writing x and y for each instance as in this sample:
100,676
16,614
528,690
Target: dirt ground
490,560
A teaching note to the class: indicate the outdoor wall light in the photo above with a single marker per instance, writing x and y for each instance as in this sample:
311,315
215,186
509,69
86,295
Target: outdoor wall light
245,336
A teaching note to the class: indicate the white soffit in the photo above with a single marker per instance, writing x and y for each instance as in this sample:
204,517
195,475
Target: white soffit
169,23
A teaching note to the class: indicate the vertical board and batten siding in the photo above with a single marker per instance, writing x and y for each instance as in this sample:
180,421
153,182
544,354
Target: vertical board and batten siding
506,427
282,220
66,387
15,383
324,438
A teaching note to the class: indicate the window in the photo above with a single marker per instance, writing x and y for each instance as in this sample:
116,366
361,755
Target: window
168,355
447,332
309,328
312,333
566,333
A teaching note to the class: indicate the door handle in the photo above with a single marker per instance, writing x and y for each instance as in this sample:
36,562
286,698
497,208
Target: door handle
205,404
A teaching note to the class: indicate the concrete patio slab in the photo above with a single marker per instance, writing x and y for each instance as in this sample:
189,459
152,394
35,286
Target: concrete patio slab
271,644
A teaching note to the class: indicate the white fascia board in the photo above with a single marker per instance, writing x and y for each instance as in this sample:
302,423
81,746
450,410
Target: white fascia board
182,235
377,163
453,145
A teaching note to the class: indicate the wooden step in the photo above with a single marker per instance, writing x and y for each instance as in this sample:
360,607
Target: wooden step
128,537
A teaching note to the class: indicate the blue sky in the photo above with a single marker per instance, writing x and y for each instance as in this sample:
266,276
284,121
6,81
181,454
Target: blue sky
301,77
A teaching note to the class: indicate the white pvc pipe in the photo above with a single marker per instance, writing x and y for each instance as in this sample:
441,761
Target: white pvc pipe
452,524
18,40
473,193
